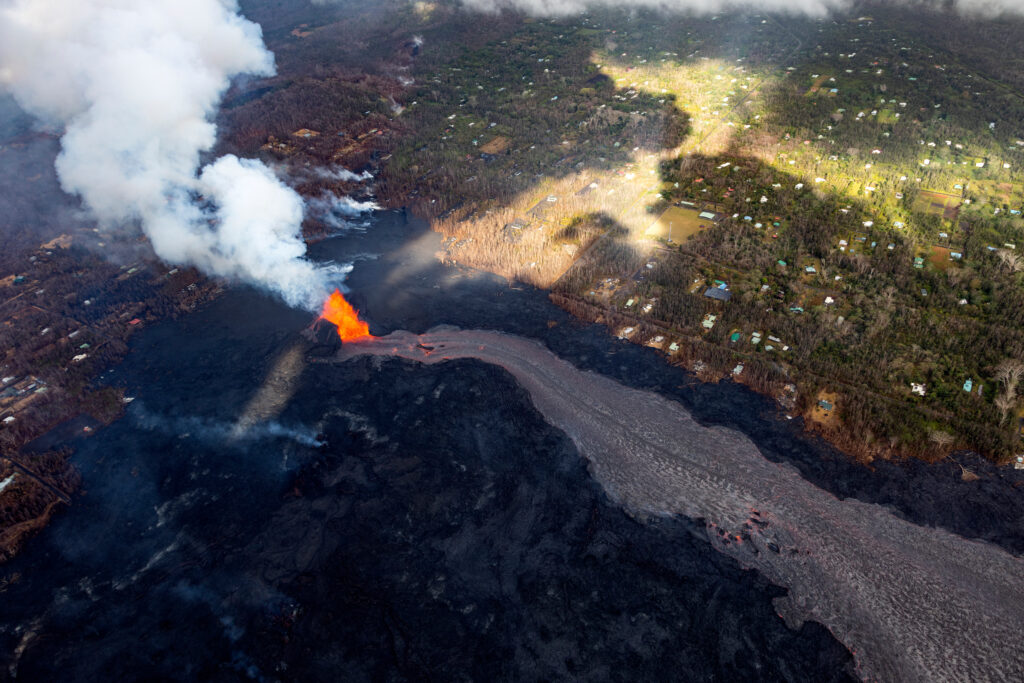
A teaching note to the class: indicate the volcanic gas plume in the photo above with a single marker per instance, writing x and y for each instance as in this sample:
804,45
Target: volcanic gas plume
133,86
340,312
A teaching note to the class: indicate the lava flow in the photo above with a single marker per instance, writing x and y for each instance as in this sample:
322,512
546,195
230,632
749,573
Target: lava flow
340,312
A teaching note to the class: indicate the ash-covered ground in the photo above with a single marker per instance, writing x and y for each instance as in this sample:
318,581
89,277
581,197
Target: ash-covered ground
259,514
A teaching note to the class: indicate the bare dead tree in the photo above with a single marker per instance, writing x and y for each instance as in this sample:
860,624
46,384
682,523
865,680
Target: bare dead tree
941,439
1010,260
1008,373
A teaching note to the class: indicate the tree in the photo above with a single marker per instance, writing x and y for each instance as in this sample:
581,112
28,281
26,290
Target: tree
1010,260
941,439
1008,373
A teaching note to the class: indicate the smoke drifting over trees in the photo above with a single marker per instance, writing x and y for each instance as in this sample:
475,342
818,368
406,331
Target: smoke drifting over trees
811,7
133,86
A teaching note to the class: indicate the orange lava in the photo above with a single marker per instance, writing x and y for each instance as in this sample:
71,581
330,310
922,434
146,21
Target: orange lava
345,318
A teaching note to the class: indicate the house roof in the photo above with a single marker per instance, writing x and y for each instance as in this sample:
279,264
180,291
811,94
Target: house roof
718,294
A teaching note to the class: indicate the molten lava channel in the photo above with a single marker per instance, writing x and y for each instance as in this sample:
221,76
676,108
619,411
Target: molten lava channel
340,312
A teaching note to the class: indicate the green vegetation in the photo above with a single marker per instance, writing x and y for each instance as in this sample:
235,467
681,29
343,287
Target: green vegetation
868,182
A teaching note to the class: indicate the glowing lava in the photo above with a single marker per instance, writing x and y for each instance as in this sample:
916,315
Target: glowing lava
345,318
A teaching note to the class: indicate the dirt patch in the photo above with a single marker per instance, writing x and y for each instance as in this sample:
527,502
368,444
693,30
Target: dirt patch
62,242
678,224
940,258
496,146
826,409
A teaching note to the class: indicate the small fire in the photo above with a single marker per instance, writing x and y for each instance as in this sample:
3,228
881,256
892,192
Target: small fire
344,317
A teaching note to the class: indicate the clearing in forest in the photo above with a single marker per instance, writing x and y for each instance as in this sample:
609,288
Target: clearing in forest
496,146
938,204
678,224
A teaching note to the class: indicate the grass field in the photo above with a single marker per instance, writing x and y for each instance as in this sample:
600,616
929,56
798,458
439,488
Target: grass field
938,204
817,84
887,117
999,193
822,416
939,258
678,224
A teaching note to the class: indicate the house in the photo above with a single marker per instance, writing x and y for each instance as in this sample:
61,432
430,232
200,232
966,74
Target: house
918,389
810,270
738,369
718,294
918,262
825,405
8,420
709,321
968,385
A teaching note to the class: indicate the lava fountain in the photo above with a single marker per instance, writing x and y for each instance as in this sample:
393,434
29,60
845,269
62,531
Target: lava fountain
340,312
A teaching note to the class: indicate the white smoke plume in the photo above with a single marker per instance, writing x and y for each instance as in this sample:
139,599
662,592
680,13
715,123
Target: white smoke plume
337,212
133,85
224,433
989,8
341,174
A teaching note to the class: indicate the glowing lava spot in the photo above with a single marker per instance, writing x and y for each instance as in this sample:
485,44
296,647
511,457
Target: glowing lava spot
344,317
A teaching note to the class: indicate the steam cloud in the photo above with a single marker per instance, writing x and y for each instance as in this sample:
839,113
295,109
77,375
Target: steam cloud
337,212
133,84
811,7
